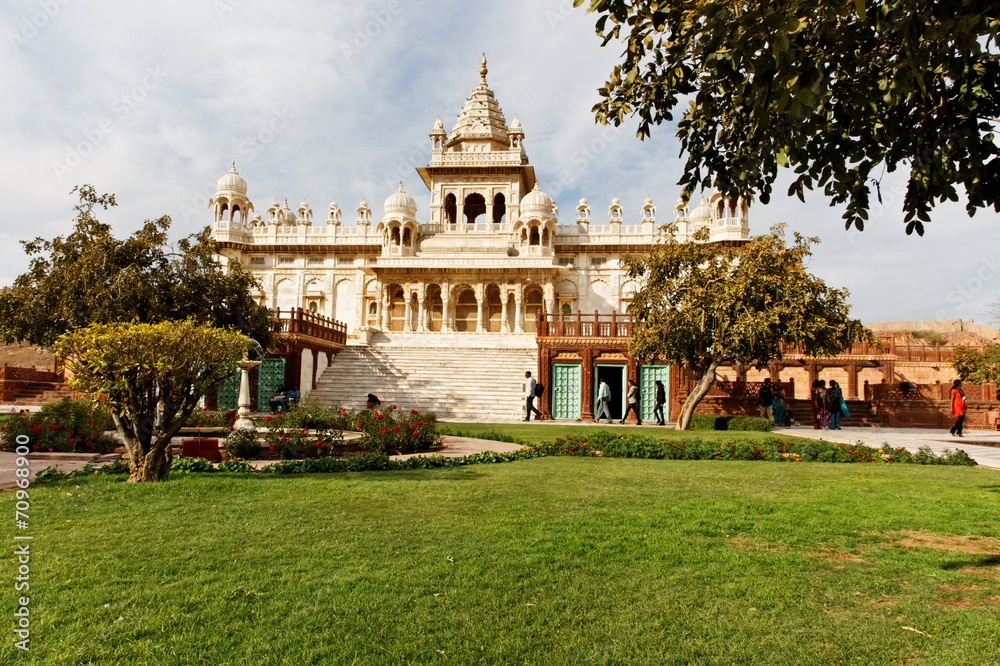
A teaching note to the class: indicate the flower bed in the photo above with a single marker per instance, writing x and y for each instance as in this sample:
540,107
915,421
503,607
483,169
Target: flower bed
65,426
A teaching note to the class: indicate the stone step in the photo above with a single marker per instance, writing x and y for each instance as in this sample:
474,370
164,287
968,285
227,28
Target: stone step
464,382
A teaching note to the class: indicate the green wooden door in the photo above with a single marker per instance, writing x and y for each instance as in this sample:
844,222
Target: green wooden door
566,390
271,375
229,391
648,374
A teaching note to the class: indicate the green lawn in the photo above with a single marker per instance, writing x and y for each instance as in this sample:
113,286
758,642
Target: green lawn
535,433
553,560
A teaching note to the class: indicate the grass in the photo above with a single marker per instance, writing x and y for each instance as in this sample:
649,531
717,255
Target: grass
535,433
554,560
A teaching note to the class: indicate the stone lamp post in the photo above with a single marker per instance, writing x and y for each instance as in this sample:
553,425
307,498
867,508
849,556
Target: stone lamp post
243,420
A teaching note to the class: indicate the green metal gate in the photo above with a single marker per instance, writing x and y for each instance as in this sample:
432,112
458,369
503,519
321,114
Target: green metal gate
566,390
648,374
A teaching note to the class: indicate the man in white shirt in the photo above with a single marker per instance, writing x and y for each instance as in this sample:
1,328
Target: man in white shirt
529,387
603,402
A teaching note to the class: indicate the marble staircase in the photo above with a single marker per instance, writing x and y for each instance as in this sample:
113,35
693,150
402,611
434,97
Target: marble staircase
463,383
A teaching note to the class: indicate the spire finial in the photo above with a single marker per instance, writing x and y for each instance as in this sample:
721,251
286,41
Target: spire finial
233,170
483,71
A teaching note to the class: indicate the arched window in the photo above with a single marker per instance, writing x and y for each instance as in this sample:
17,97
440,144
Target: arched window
406,237
450,209
499,209
395,236
534,236
475,205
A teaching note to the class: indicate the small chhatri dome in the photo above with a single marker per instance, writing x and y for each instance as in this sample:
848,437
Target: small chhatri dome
400,202
703,213
583,201
515,125
438,127
537,202
232,182
647,202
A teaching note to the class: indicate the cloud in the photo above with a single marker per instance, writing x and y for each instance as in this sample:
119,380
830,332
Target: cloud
319,100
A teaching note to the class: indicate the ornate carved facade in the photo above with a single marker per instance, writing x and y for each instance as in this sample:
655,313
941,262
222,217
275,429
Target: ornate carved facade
488,255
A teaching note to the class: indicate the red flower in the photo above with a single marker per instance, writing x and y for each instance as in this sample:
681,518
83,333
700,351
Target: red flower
382,431
319,444
360,425
378,416
272,448
395,428
72,441
36,430
35,447
394,406
267,418
413,411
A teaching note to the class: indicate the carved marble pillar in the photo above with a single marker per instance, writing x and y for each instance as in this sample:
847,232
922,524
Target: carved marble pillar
480,302
518,313
446,307
386,308
549,296
408,313
504,329
421,310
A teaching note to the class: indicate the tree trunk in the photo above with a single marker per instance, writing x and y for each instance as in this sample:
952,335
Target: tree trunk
701,389
148,460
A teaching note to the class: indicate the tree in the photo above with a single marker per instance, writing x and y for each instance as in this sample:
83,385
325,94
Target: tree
977,366
842,91
702,304
90,277
138,369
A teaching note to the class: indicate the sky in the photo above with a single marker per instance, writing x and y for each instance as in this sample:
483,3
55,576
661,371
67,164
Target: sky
330,99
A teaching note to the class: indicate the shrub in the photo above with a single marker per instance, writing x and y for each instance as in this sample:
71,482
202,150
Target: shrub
191,465
724,422
202,418
236,465
389,431
64,426
303,443
242,443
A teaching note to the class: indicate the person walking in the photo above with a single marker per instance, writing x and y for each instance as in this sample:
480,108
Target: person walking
764,399
603,402
633,402
836,397
529,387
957,407
661,399
819,404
